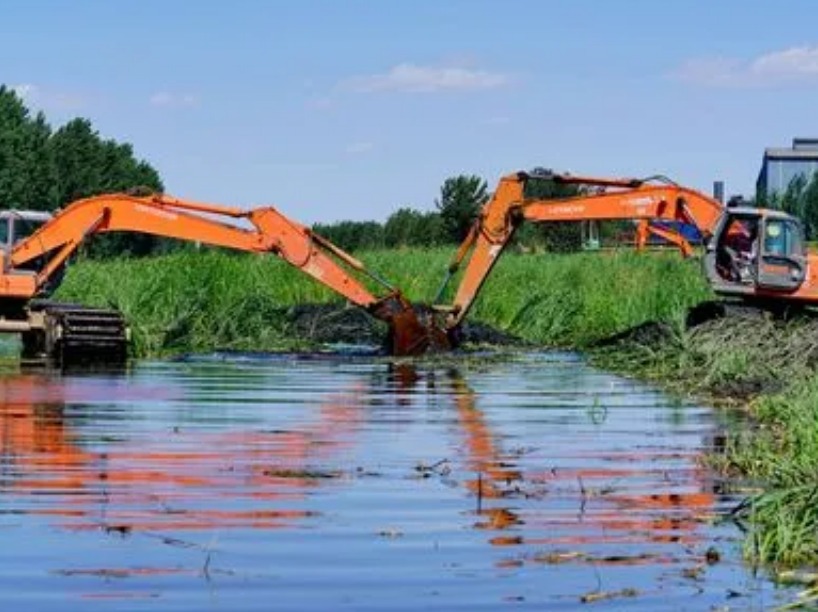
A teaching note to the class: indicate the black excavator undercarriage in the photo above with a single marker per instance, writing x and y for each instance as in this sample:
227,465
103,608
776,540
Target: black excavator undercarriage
69,335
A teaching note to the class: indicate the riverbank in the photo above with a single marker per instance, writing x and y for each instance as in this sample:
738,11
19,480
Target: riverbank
200,301
203,301
766,367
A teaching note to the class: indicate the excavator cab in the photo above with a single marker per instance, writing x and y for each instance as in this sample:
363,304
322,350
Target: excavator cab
17,225
754,249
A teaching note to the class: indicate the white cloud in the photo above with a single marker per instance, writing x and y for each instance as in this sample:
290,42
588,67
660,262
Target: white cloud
793,65
413,78
42,98
796,62
359,148
173,100
498,120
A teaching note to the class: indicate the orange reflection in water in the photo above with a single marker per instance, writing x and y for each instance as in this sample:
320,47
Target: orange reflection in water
229,479
258,479
666,512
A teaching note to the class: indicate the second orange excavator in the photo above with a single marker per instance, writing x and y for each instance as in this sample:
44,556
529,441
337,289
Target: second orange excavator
752,254
37,247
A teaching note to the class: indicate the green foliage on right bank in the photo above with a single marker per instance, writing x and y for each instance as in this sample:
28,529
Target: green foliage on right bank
769,369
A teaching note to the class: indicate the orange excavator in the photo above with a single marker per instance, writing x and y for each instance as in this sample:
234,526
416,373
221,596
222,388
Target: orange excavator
37,246
752,254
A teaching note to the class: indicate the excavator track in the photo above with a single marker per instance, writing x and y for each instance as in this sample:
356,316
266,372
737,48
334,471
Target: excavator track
69,335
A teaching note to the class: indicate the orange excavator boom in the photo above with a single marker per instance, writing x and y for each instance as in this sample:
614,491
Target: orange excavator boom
655,199
268,231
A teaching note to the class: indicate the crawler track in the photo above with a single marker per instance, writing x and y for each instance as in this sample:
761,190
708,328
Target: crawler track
68,335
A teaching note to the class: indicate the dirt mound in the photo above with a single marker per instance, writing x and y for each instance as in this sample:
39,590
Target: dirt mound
651,333
727,350
339,324
335,324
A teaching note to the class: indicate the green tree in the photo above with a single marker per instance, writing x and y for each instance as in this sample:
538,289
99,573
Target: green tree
431,231
810,207
556,236
77,152
41,170
86,165
401,228
352,235
407,227
800,200
461,198
26,170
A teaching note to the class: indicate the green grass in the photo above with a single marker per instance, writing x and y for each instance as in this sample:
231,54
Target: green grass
782,452
195,301
768,368
199,301
574,300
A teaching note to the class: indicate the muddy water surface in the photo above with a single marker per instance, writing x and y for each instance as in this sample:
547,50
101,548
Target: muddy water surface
317,484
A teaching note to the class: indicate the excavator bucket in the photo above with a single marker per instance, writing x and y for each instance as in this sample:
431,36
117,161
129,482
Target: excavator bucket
413,334
413,330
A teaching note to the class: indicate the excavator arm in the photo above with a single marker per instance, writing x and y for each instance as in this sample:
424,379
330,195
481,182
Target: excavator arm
268,231
647,201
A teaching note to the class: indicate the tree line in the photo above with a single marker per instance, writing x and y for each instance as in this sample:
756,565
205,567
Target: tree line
456,208
44,169
462,197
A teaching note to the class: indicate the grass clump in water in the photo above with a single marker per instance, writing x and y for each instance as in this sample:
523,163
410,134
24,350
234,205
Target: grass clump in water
782,452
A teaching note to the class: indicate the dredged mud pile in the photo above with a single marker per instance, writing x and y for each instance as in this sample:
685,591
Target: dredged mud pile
338,324
729,352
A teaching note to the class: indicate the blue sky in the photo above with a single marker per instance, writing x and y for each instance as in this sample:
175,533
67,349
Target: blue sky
334,110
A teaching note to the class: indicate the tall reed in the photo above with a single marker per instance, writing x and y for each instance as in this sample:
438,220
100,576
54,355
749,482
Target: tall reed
196,301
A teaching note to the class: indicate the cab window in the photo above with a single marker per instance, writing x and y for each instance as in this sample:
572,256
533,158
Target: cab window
782,238
23,228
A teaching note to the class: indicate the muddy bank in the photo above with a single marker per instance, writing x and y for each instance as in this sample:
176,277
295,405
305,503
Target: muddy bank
732,354
319,324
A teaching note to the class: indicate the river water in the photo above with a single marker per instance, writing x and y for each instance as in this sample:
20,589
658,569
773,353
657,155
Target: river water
258,483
